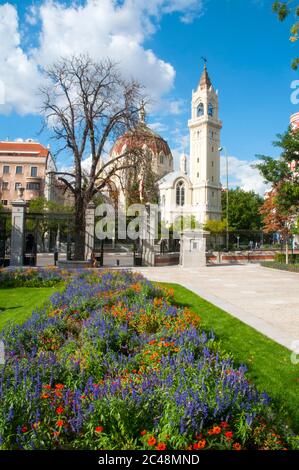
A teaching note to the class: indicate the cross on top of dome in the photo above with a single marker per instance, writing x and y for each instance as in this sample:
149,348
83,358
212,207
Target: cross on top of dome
142,112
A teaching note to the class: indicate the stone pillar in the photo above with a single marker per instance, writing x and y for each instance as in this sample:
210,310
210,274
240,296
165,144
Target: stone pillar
89,230
193,248
17,230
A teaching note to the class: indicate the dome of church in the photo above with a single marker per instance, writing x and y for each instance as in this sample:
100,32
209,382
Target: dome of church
143,137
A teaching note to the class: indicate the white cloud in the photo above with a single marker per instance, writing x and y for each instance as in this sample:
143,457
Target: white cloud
243,175
19,75
100,27
158,127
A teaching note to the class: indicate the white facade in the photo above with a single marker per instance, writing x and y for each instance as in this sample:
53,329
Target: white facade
198,194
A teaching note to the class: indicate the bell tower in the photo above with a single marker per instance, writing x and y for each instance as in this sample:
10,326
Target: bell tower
205,127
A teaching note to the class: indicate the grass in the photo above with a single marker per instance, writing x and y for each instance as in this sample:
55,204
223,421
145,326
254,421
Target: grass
269,364
18,303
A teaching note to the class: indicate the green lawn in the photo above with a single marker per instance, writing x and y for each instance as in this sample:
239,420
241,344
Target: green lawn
17,304
269,363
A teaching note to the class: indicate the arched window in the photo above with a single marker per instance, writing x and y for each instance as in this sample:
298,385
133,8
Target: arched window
163,200
200,110
180,194
210,110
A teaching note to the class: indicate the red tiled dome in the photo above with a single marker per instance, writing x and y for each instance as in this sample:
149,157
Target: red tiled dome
140,136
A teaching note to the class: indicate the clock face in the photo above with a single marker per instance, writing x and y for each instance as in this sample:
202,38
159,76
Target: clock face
200,110
210,110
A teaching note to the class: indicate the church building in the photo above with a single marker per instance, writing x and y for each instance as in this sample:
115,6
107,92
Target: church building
197,192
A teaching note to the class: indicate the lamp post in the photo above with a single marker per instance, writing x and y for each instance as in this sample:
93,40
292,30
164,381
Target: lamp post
227,201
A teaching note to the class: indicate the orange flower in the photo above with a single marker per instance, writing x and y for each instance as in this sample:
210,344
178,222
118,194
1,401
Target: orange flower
36,425
143,433
152,441
237,446
161,446
56,433
200,444
47,387
59,423
45,396
99,429
214,430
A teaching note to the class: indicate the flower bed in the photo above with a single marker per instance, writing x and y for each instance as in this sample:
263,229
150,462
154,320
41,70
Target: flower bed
113,364
22,277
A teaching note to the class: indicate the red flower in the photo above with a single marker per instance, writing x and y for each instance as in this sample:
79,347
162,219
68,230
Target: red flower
152,441
48,387
99,429
24,429
161,446
224,424
200,444
237,446
143,433
59,423
228,435
59,410
59,386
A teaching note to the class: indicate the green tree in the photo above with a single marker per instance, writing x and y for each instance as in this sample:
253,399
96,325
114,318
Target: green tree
216,228
243,209
283,175
284,10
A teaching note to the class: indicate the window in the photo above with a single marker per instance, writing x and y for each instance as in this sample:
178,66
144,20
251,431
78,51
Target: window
180,194
33,171
19,170
4,202
33,186
210,110
5,169
161,159
212,149
163,200
213,193
200,110
197,175
212,164
212,178
198,160
18,185
4,185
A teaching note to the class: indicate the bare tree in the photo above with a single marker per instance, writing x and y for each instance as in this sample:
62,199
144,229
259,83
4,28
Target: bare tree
87,104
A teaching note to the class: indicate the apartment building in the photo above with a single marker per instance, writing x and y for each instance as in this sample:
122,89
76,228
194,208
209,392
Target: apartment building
26,164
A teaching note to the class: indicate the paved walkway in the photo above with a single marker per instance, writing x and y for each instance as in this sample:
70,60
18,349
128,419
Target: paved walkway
266,299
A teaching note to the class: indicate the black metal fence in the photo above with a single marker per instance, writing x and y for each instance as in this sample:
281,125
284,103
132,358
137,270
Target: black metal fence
5,234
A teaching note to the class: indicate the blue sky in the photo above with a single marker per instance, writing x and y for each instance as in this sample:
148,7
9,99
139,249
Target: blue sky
248,54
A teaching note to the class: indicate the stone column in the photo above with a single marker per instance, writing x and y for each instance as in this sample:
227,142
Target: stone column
17,230
89,230
193,248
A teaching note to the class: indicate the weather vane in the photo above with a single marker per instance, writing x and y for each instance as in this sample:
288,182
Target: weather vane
205,60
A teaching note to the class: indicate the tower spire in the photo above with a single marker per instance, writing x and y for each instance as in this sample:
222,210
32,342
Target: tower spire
205,81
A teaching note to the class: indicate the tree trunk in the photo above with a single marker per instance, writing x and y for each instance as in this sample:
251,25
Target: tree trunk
287,251
79,235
